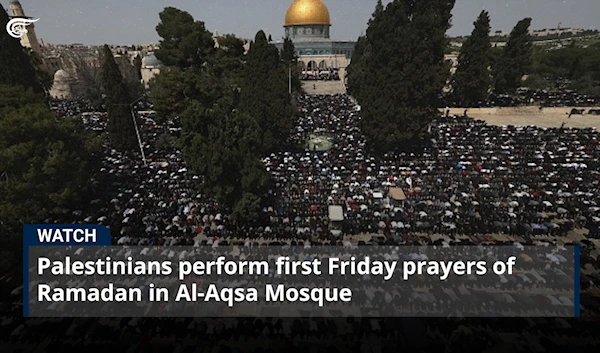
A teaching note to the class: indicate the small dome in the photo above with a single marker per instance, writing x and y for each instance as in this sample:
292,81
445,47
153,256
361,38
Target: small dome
61,75
151,60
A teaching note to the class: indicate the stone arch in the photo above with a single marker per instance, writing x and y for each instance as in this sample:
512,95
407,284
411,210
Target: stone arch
322,65
312,65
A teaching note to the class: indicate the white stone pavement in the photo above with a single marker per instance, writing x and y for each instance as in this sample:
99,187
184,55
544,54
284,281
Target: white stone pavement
323,87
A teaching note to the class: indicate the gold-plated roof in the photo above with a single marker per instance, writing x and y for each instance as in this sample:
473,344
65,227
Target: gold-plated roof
307,12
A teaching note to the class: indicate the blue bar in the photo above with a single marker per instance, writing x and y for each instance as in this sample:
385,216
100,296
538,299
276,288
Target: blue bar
30,238
577,280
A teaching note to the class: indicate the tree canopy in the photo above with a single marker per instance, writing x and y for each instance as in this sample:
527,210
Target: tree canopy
264,93
401,70
121,126
577,67
233,107
185,42
290,61
472,80
515,60
46,164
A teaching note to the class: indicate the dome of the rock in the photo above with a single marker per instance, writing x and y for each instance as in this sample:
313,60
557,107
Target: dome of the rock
307,12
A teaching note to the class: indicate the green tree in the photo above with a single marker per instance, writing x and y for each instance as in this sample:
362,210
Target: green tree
578,67
221,144
402,76
232,45
246,211
137,65
192,71
357,68
472,80
185,42
227,62
516,59
121,127
264,93
230,106
174,89
377,13
15,64
45,164
290,62
88,84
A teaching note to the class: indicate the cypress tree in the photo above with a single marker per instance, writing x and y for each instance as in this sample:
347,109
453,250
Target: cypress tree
377,13
264,94
233,107
358,66
515,60
356,69
471,82
290,60
120,120
15,64
405,72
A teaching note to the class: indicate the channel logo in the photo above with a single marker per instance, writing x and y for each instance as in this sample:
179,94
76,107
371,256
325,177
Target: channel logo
17,27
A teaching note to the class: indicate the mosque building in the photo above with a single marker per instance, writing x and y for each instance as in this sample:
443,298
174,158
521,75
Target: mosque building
308,25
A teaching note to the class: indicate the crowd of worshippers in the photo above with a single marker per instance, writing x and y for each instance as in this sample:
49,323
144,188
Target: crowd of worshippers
71,107
472,179
526,97
265,335
78,106
320,75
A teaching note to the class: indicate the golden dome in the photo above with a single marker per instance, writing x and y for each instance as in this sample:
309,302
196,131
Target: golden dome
307,12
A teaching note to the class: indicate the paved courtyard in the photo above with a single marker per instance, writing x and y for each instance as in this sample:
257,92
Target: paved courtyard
524,116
